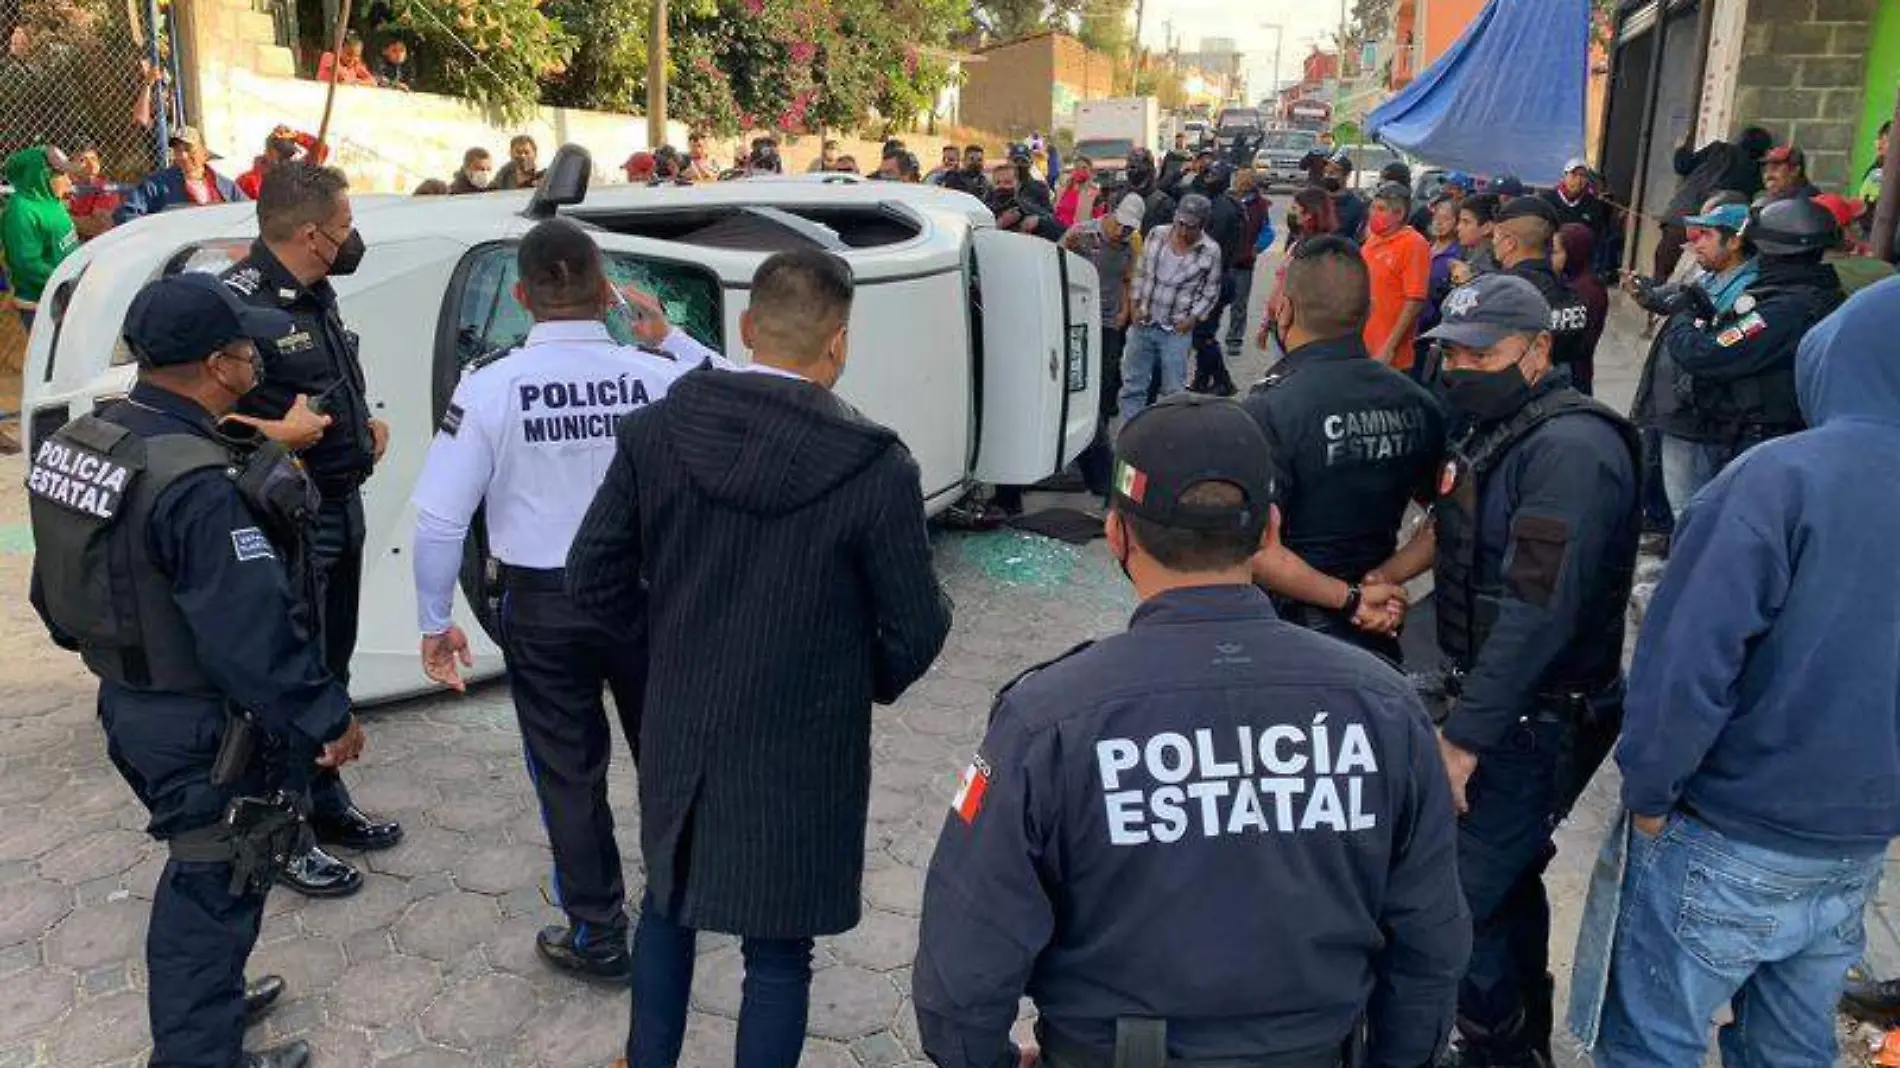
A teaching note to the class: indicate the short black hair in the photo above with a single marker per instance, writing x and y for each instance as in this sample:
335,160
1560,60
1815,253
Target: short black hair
1396,171
1328,287
295,193
978,149
560,266
799,299
522,139
474,154
432,187
1483,207
1885,128
1179,549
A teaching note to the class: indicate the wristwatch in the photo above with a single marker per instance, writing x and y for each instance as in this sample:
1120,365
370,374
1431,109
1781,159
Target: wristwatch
1353,596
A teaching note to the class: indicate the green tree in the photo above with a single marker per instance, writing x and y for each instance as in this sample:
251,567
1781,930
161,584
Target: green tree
496,53
1107,28
609,66
1010,19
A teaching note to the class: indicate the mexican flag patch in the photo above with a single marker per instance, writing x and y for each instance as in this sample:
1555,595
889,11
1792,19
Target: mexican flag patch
971,789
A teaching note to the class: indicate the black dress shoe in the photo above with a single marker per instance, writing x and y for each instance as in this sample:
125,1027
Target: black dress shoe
289,1055
355,829
1872,1000
603,958
261,996
318,874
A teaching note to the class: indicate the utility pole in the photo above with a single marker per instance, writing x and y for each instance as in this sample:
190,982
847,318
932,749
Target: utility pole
1134,75
656,76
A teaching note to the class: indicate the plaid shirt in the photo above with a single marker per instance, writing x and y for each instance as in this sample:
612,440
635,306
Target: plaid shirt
1173,286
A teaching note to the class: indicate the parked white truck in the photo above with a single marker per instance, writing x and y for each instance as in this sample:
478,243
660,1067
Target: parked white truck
1106,131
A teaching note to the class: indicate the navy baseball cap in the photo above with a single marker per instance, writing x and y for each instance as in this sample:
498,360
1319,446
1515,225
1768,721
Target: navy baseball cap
187,317
1182,442
1490,308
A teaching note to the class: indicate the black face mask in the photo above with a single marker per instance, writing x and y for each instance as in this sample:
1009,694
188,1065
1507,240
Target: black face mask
1141,176
1332,185
349,255
1487,396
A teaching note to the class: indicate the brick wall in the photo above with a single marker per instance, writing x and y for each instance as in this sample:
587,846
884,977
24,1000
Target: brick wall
1803,68
1012,90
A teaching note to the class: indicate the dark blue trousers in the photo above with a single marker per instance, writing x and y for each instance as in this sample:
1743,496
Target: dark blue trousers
195,951
336,556
1522,789
776,995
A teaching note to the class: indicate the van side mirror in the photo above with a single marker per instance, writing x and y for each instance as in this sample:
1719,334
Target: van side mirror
565,184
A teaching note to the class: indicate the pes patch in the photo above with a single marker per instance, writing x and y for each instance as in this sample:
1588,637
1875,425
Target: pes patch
972,787
249,543
451,420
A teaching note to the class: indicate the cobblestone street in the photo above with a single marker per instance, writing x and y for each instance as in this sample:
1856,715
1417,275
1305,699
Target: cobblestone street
433,963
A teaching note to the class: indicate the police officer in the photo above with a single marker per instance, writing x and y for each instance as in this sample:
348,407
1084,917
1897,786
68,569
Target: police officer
1353,442
1213,839
1733,356
1520,240
531,435
313,399
1535,536
167,559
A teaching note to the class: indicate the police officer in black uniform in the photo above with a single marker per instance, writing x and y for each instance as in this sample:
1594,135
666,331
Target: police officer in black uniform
168,558
1535,535
313,398
1214,839
1520,240
1735,367
1354,442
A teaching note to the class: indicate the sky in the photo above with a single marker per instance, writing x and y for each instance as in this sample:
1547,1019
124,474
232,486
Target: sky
1305,22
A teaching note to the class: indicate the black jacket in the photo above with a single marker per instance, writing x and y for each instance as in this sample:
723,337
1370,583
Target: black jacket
1589,210
1734,377
1258,908
1227,225
1716,166
780,541
1569,319
319,359
1353,442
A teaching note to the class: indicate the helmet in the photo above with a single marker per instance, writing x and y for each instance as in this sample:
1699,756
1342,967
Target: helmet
1792,227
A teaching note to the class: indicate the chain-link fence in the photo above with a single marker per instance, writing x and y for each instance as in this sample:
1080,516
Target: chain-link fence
74,72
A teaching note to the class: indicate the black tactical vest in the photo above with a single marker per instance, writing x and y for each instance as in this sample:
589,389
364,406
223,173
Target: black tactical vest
91,491
1468,603
1747,411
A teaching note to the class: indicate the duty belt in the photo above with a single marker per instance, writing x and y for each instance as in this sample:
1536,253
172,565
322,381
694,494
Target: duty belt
538,579
1142,1042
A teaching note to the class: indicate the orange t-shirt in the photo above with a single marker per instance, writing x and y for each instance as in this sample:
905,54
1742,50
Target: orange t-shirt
1401,270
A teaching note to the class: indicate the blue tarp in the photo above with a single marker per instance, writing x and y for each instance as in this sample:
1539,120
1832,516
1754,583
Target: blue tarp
1507,98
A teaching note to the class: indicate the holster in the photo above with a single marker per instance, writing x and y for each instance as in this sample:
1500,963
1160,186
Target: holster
1440,691
237,748
257,836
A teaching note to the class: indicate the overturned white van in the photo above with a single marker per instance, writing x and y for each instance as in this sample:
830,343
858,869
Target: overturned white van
980,347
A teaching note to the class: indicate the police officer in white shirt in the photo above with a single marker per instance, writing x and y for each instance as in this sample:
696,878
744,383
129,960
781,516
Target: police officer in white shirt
532,434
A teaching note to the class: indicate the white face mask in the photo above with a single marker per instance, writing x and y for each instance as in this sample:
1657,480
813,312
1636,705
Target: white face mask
479,179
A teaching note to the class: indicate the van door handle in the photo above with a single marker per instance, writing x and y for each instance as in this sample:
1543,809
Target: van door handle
1054,362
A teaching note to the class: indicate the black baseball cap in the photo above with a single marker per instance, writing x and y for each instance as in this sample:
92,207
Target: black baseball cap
1183,441
1490,308
186,317
1529,208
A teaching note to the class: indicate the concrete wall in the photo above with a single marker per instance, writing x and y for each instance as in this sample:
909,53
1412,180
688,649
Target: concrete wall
1803,75
388,142
1078,74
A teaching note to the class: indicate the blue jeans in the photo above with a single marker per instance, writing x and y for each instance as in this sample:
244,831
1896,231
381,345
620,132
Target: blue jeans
1707,920
1687,466
776,995
1152,351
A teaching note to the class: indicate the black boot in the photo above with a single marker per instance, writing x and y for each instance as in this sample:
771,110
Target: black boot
1877,1001
355,829
1508,1046
314,873
1540,997
603,958
290,1055
261,996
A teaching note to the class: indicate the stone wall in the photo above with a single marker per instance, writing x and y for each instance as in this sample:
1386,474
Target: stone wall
1803,75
